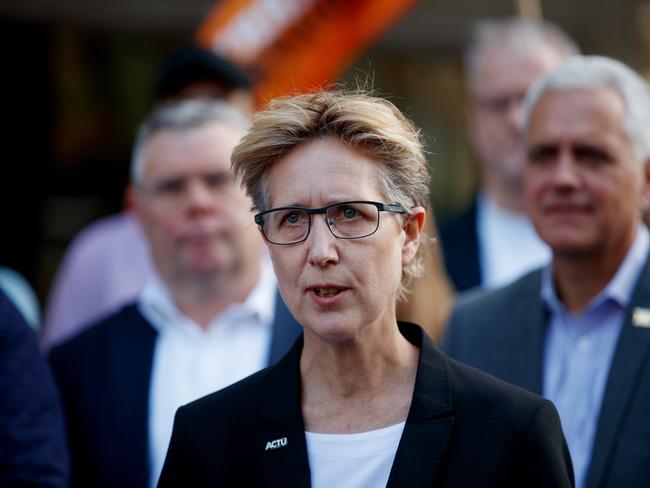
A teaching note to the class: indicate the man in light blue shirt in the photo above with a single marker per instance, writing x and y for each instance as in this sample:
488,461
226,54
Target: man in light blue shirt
578,331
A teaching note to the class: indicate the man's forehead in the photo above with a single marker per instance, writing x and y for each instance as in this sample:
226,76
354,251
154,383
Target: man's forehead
220,129
595,115
198,150
512,67
577,104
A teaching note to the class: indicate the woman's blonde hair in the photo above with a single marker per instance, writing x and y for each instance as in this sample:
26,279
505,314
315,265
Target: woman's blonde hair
363,122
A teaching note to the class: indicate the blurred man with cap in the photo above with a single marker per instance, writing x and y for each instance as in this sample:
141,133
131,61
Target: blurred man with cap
194,72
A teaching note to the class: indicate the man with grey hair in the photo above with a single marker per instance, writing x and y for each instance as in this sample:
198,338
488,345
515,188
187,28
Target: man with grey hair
210,317
493,241
578,330
108,262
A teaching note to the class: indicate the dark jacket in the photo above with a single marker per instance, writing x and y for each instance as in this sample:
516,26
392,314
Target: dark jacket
104,375
33,449
460,248
464,429
502,332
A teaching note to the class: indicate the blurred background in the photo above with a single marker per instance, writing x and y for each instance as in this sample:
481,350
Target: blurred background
77,77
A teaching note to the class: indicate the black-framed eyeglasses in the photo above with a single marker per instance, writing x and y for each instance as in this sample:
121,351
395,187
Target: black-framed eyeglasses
345,220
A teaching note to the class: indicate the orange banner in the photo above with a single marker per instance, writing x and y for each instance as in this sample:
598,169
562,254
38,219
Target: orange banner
296,45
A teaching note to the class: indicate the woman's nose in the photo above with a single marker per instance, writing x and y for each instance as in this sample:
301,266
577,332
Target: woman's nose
321,243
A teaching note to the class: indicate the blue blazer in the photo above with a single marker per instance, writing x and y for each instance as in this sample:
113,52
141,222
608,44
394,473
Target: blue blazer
464,429
104,377
33,450
502,332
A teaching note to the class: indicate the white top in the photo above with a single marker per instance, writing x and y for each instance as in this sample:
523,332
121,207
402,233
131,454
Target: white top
189,362
353,460
509,245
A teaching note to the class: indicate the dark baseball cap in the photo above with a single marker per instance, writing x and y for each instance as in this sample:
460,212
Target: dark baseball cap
193,64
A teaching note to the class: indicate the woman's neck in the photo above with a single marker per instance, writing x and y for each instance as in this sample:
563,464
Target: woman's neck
343,382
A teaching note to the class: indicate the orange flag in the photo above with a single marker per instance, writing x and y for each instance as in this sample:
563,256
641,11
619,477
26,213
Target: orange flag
296,45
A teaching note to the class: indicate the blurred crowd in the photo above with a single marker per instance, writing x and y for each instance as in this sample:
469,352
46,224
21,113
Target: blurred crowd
542,281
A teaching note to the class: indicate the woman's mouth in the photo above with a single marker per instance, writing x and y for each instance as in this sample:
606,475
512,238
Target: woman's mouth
327,292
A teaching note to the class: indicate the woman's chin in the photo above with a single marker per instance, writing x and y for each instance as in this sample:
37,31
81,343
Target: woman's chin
332,332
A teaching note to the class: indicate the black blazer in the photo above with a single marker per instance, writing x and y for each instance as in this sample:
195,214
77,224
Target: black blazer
464,428
104,376
460,248
502,333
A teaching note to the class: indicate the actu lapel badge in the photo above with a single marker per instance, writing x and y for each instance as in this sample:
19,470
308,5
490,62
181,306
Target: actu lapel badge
277,443
641,317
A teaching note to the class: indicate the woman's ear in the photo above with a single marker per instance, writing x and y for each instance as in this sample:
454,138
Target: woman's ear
413,225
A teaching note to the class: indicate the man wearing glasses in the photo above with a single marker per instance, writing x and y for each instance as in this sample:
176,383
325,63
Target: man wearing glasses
493,242
211,317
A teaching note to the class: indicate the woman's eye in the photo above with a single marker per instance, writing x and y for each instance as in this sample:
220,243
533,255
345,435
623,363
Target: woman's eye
292,218
349,213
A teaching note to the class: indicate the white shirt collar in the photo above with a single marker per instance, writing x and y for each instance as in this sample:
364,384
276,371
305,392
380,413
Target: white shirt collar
509,246
189,362
158,305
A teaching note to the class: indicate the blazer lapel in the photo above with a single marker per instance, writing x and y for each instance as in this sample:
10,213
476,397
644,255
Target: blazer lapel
429,421
128,384
529,317
285,331
281,432
631,353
